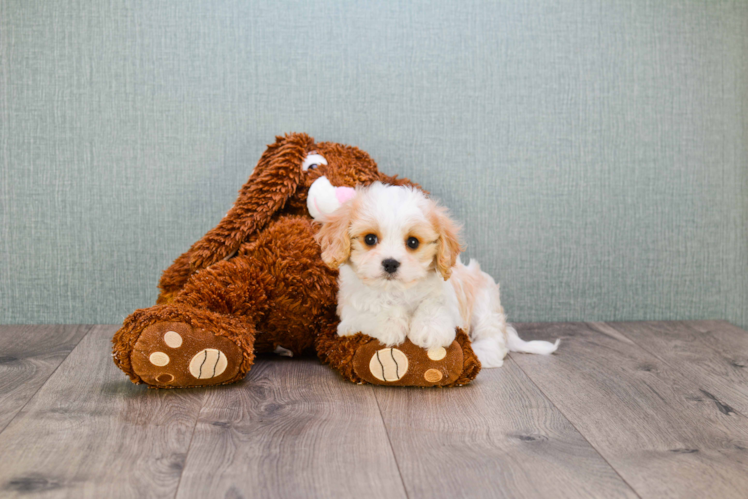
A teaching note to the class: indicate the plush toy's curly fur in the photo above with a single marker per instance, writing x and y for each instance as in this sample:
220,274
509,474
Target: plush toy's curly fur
257,279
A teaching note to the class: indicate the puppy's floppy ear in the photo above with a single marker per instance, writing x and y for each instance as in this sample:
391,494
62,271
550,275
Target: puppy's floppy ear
448,246
273,181
333,237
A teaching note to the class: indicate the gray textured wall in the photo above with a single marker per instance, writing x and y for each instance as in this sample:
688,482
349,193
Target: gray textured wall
597,152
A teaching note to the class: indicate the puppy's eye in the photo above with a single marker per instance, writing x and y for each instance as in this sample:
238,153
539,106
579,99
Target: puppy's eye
371,239
412,243
313,161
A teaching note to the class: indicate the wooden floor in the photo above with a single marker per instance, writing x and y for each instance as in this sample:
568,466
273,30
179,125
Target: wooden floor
622,410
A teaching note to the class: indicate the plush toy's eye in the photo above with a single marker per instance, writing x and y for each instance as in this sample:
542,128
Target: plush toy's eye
412,243
313,161
371,239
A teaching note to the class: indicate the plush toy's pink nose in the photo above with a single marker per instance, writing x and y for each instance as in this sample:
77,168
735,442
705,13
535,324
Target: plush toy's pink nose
344,194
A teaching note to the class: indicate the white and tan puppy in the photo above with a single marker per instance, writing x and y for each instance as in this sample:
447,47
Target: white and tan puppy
400,276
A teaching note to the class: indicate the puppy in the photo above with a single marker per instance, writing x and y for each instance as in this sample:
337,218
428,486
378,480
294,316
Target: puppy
401,276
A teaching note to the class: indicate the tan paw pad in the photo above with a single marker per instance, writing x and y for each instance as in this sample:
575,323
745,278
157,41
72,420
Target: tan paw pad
437,353
389,365
208,363
432,376
159,358
173,339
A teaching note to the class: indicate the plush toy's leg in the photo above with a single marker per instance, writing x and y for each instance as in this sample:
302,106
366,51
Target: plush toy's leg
204,337
180,346
362,359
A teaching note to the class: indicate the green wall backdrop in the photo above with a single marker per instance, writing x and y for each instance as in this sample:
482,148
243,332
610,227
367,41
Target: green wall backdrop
597,152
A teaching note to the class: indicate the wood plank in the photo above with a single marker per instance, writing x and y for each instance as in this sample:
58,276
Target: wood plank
713,354
497,437
28,356
89,432
294,428
654,426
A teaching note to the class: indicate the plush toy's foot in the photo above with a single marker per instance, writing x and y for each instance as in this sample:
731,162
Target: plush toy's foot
408,364
173,354
182,348
363,359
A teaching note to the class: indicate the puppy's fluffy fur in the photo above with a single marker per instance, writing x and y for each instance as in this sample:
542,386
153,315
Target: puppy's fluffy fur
401,276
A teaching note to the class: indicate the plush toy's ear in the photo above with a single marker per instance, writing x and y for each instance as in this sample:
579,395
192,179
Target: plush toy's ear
333,238
275,178
448,246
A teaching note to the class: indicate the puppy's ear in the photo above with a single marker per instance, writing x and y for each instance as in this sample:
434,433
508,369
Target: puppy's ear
333,237
448,246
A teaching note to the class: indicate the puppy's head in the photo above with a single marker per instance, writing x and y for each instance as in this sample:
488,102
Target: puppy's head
390,234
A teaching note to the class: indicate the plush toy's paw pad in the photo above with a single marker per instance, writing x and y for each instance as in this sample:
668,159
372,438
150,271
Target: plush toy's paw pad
173,354
388,365
437,353
408,365
208,363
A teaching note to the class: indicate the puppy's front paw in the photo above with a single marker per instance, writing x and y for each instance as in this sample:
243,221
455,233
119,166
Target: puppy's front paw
428,334
347,328
392,332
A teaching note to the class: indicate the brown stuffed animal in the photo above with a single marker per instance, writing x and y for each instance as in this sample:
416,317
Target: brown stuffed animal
257,283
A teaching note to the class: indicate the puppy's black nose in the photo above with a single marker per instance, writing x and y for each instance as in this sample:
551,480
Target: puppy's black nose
390,265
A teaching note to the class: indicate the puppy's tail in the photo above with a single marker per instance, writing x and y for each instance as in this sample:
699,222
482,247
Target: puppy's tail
516,344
